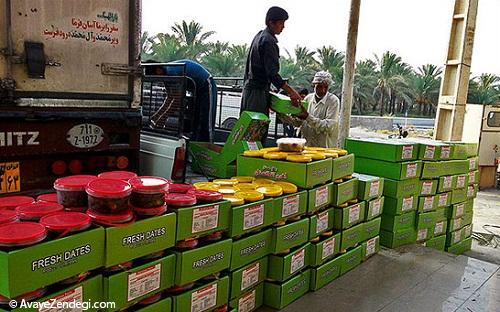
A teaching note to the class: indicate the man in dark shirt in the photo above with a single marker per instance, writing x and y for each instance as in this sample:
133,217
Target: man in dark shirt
262,67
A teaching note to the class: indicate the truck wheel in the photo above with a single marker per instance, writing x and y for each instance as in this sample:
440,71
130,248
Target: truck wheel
229,123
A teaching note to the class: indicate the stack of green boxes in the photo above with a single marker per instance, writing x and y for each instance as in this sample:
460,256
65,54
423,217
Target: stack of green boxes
397,163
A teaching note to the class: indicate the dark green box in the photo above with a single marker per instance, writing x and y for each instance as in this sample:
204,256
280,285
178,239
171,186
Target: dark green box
467,218
446,183
441,227
371,229
201,220
382,149
457,210
320,223
458,196
369,187
454,237
444,199
350,259
282,267
374,208
344,191
391,170
427,203
280,295
461,247
427,220
249,249
342,166
397,223
400,205
290,235
249,301
251,217
399,238
203,298
442,214
319,198
462,180
248,277
428,187
370,247
469,207
438,242
455,224
290,206
350,237
405,188
431,169
349,216
325,249
326,273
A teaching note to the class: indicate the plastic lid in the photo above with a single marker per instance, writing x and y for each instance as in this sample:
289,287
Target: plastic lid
21,233
236,200
187,243
108,188
244,179
37,210
207,186
122,217
73,183
7,216
76,209
36,294
206,196
291,141
51,198
149,300
288,188
149,184
180,188
250,196
180,200
156,211
66,221
11,202
118,175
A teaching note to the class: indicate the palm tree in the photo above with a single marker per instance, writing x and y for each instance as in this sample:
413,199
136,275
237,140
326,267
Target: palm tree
166,48
191,36
484,89
146,44
365,80
425,84
239,54
331,60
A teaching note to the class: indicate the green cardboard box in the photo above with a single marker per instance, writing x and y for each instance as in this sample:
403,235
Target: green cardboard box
467,230
89,290
427,220
424,234
473,177
247,277
462,180
444,199
382,149
290,235
201,220
454,237
325,273
396,223
459,150
280,295
438,242
141,238
370,247
455,224
320,223
400,205
290,206
442,214
342,192
46,263
191,265
374,208
369,187
251,217
304,175
282,267
431,169
325,250
391,170
319,198
473,163
131,286
467,218
249,301
350,237
371,229
447,183
458,196
203,298
440,228
457,210
433,150
249,249
460,247
405,188
342,166
349,216
399,238
350,259
164,305
469,207
427,203
428,187
472,191
455,167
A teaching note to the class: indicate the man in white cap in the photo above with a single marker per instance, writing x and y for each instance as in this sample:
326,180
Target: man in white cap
320,122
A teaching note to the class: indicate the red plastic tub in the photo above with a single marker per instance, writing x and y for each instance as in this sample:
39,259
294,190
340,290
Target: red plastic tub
108,196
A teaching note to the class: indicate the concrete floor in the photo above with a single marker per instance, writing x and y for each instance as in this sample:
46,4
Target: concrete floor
412,278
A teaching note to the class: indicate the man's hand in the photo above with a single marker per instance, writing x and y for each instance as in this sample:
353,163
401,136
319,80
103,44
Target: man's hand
303,113
294,95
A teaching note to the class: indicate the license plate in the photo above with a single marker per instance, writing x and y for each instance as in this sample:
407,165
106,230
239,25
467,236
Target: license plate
10,177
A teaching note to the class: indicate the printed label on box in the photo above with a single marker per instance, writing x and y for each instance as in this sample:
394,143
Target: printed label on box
298,261
460,181
354,213
290,206
472,177
321,197
468,230
250,276
247,302
428,201
427,188
322,223
447,181
456,236
460,210
445,152
470,191
252,146
143,282
253,217
429,151
439,228
422,234
374,188
411,170
376,207
370,246
472,164
204,298
407,152
407,203
75,296
205,218
443,199
328,248
457,223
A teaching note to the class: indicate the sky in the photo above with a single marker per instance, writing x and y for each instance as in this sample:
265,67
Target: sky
416,30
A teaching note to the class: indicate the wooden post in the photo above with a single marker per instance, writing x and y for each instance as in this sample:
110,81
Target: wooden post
347,81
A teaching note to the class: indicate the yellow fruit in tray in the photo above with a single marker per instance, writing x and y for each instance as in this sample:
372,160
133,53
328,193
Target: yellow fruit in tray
235,200
269,149
206,186
288,188
250,196
275,155
315,156
271,190
245,186
226,190
316,149
299,158
226,182
262,182
339,151
253,153
331,154
244,179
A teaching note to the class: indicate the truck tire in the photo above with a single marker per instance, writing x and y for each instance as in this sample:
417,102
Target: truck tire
229,123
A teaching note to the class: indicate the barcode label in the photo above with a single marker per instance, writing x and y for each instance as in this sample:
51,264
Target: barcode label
457,236
250,276
74,296
407,152
328,248
457,223
460,210
472,163
443,199
247,302
322,223
411,170
290,206
447,181
297,261
429,151
468,230
354,212
321,197
376,207
253,217
204,299
143,282
371,246
470,191
428,203
472,177
407,203
427,188
374,188
445,152
422,234
439,228
460,181
252,146
205,218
